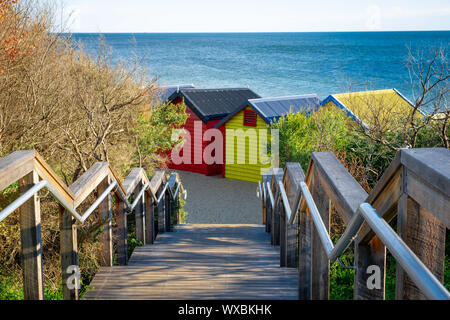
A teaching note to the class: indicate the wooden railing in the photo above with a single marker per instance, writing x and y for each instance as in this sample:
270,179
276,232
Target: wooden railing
152,201
415,188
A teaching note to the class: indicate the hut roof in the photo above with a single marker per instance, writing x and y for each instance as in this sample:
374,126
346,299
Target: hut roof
271,109
214,104
165,92
387,105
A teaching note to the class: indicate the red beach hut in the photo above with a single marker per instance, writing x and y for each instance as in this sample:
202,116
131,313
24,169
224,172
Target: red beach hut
206,107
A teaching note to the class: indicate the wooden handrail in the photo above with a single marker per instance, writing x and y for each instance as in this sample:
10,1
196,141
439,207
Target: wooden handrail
416,185
28,167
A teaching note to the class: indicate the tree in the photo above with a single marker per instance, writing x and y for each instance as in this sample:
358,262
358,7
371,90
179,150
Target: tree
398,128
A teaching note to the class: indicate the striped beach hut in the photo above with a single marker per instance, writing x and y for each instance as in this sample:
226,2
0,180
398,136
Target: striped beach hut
247,136
372,108
206,107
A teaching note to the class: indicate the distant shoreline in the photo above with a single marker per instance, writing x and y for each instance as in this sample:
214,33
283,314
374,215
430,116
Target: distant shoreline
262,32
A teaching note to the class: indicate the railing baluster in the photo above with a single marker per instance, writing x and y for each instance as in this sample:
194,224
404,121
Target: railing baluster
31,241
121,231
161,209
105,213
69,253
275,233
369,255
168,210
320,275
139,215
425,236
149,219
305,255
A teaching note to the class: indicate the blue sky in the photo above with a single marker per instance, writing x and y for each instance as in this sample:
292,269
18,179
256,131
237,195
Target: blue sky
255,15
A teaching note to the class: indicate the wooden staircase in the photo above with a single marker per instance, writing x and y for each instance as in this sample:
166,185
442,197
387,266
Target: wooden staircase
200,262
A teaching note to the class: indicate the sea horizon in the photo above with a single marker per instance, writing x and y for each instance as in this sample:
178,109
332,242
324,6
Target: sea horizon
274,63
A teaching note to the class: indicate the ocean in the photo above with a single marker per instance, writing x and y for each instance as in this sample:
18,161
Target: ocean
275,64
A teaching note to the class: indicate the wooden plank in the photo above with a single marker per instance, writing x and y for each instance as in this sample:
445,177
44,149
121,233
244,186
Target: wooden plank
385,203
345,192
45,172
68,251
115,177
168,211
105,214
424,234
15,166
156,181
121,232
385,179
193,263
320,273
430,198
30,235
89,181
431,165
133,180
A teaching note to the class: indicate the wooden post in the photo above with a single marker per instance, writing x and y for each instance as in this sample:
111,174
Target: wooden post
149,223
282,238
366,255
139,216
68,251
161,211
168,211
268,215
275,228
155,220
424,234
122,233
320,287
30,234
263,202
178,209
291,245
105,212
275,235
305,255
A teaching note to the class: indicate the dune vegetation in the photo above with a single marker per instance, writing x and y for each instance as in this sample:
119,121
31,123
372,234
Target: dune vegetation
75,110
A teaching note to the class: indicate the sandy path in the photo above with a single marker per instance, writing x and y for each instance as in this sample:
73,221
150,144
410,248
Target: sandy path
221,201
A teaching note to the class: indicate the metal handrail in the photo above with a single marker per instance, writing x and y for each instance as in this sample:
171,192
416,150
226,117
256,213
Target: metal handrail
45,184
414,267
259,191
81,218
318,222
287,208
271,197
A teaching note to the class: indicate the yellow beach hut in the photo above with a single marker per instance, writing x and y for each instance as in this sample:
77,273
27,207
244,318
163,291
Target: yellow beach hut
378,108
247,135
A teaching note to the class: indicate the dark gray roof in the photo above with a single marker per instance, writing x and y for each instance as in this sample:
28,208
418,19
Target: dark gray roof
165,92
271,109
215,104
